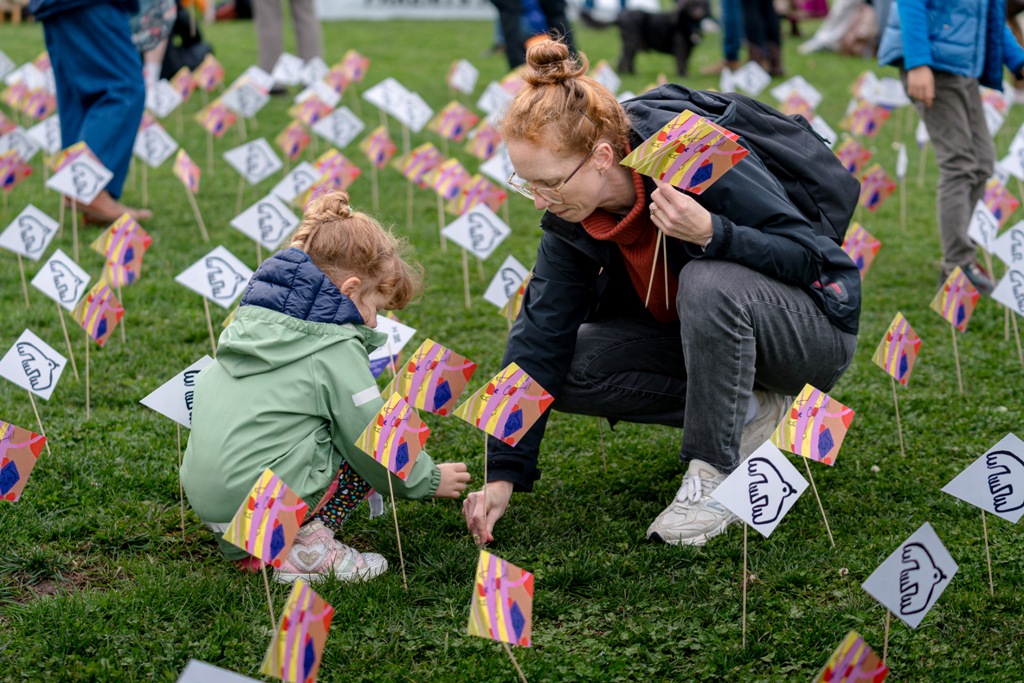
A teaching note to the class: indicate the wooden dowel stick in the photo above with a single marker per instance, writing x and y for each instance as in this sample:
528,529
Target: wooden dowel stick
67,340
604,456
988,555
398,536
654,267
817,498
24,285
440,222
511,656
744,640
74,229
270,601
465,279
1016,334
181,489
885,646
198,215
899,427
32,400
87,401
956,358
209,326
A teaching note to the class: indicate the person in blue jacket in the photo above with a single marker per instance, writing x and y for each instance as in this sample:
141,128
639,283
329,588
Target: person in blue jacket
944,50
100,88
758,304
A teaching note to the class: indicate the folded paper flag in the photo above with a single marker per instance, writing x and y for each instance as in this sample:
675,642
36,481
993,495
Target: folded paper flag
297,649
255,160
98,312
174,398
33,365
795,104
507,406
293,140
1010,290
417,165
310,110
69,154
865,118
483,140
123,245
453,122
898,350
338,166
689,152
183,82
479,231
216,118
209,74
514,303
61,279
999,200
399,334
187,171
433,379
861,246
19,450
39,104
477,190
81,177
506,281
502,604
378,147
995,481
956,299
30,233
219,276
355,66
267,521
604,74
814,427
395,437
448,178
13,170
853,155
462,76
762,489
875,187
853,662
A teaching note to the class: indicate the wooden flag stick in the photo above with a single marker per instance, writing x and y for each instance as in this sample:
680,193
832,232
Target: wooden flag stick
243,134
181,489
440,222
604,455
664,260
67,340
145,184
120,298
511,656
483,489
270,601
356,104
956,357
374,190
885,647
744,640
209,326
922,160
1006,324
209,152
899,428
60,210
988,555
444,146
465,279
398,536
199,216
384,124
238,199
87,401
504,213
903,204
74,228
24,285
817,498
480,269
654,267
1016,334
39,422
408,204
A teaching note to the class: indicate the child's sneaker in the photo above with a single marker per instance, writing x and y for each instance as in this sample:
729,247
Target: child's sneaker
316,555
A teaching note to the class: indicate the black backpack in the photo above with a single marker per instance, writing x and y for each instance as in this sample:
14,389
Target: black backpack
817,183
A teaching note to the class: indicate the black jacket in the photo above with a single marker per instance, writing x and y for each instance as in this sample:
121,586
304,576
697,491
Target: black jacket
579,278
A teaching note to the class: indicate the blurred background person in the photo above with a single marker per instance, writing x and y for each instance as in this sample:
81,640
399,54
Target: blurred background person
308,38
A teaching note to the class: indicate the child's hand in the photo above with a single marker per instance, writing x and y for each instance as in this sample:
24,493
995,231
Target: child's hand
454,478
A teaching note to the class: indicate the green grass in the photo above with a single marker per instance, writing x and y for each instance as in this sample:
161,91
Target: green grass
96,582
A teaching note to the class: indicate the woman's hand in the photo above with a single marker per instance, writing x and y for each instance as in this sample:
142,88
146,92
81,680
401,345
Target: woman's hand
679,215
482,509
921,85
454,479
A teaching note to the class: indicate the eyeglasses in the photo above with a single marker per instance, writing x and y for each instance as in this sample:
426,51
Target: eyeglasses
551,194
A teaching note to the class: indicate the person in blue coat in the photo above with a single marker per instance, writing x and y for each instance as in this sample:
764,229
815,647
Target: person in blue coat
100,88
944,50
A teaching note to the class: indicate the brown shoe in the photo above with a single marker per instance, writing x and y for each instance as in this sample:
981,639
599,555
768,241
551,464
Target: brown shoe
104,210
717,68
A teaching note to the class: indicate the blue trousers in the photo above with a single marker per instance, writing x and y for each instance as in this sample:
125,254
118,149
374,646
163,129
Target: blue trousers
732,29
100,90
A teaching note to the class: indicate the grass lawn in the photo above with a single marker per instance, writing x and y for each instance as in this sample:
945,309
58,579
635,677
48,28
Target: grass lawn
96,582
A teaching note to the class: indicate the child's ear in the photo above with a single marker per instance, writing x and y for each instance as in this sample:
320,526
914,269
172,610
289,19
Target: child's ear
350,286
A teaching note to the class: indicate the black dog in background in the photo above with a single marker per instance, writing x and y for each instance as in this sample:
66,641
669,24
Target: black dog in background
673,33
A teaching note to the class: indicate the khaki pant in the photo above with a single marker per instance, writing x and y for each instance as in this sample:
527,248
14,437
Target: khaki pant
267,15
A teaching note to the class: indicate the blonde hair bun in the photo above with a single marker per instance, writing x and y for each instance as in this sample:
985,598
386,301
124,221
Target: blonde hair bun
549,62
333,204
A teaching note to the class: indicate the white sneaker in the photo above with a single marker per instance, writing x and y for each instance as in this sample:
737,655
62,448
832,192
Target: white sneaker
316,555
693,517
771,408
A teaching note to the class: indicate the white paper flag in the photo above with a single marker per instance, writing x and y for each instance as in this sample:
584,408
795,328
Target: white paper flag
262,80
200,672
32,364
268,221
173,399
1010,291
313,70
323,92
154,145
162,98
219,276
287,70
983,227
386,95
29,233
47,134
23,144
506,281
478,231
63,280
995,481
7,65
340,127
246,99
296,181
762,489
413,112
1009,246
751,78
399,334
800,86
494,99
822,128
255,161
463,77
901,161
82,180
499,167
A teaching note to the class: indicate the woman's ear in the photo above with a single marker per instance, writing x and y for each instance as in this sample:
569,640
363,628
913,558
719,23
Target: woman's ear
604,157
350,286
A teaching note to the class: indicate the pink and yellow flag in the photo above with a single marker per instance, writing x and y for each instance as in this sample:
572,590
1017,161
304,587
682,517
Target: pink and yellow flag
853,155
477,190
339,167
19,451
956,299
483,141
123,245
39,104
861,246
354,66
187,171
209,74
875,187
502,605
297,649
507,406
98,312
999,200
395,436
378,147
448,178
853,662
183,83
309,110
453,122
814,427
865,119
216,118
293,140
795,104
417,165
689,152
13,170
433,379
898,350
268,520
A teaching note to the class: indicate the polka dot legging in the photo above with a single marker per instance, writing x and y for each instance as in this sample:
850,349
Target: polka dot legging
349,490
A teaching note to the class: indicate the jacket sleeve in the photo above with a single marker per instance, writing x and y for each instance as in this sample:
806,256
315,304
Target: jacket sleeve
542,342
756,225
349,399
1013,53
917,49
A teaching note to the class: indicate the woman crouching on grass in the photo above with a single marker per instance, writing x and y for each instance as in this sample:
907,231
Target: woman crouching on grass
291,390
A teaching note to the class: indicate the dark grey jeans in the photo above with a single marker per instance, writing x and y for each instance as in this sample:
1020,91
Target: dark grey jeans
738,329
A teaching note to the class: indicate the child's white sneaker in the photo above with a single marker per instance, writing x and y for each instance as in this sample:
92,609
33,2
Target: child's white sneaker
316,555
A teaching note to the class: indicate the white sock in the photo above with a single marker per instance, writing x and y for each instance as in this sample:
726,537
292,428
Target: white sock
751,410
151,72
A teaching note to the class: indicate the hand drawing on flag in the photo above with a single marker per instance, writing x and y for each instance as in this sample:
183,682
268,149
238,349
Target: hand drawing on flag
999,200
354,66
898,350
433,379
689,152
293,140
483,140
956,299
417,165
448,178
98,312
216,118
453,122
378,147
267,521
337,165
297,649
19,450
814,427
395,437
875,187
477,190
502,605
853,155
853,662
865,118
861,246
507,406
186,171
123,246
